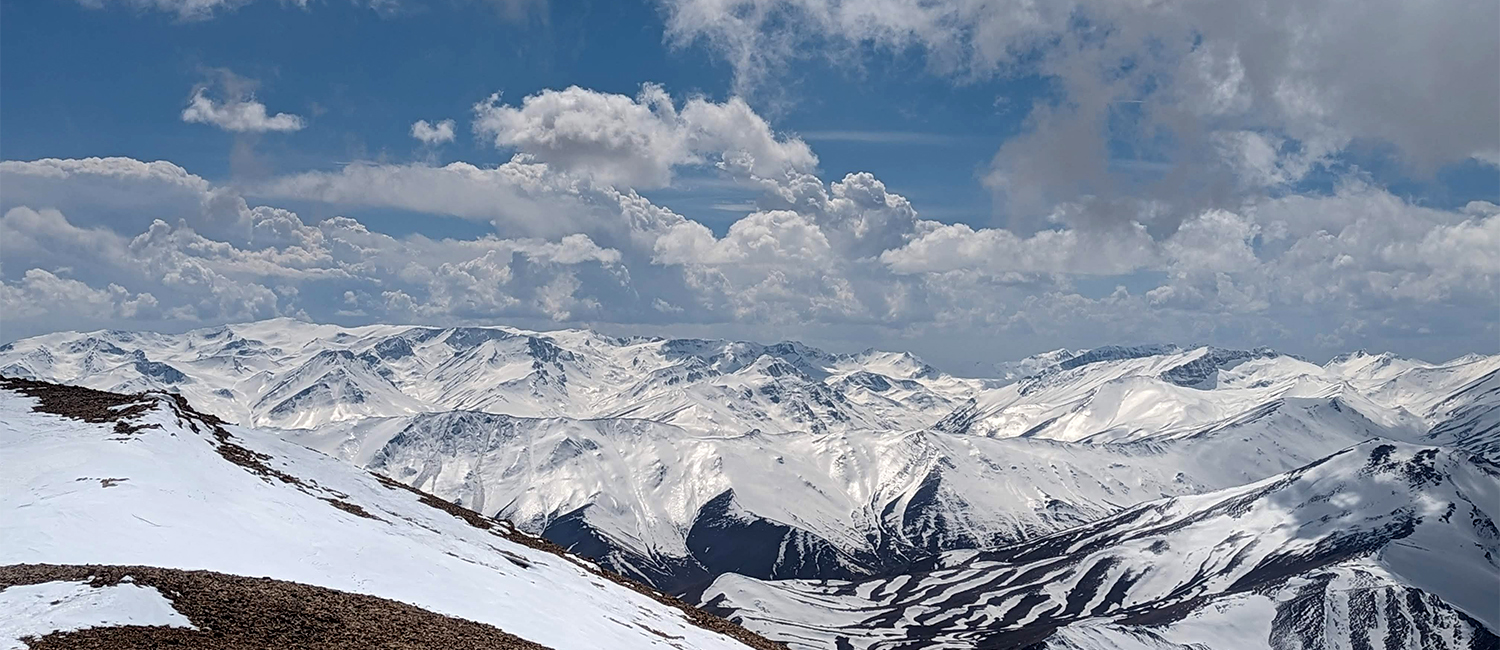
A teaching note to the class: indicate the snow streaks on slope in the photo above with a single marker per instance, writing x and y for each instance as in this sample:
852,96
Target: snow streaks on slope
1385,542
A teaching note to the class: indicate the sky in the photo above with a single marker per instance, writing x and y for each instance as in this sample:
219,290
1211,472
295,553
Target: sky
971,180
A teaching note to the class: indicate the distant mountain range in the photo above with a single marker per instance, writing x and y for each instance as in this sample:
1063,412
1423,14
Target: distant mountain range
750,475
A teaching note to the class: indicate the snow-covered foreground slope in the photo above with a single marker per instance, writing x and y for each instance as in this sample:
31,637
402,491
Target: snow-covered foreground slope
149,482
1383,545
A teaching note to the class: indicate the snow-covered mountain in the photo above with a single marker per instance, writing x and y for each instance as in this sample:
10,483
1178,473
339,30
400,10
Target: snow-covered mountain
89,478
289,374
668,504
678,460
813,494
1382,545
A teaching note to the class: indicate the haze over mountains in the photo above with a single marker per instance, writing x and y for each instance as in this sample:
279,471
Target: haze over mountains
870,500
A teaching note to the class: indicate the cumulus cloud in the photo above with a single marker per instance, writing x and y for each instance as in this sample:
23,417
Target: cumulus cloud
239,112
637,141
432,134
122,193
848,259
38,288
993,250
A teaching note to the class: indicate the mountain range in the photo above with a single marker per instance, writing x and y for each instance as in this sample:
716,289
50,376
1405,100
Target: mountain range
871,500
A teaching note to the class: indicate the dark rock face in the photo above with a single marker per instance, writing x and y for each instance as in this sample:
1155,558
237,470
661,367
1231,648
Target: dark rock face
1115,353
572,531
960,419
158,370
393,349
1202,372
725,538
1379,617
463,338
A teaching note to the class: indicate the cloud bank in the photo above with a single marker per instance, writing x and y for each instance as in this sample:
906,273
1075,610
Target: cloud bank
841,261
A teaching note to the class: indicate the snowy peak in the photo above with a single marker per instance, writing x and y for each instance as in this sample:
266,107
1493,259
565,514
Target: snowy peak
1164,391
333,385
290,374
1115,353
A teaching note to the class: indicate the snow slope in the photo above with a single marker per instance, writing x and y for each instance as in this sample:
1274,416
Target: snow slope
35,610
151,483
1381,545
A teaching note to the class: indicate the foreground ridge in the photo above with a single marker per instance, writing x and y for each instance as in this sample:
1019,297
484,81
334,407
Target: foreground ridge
165,498
231,612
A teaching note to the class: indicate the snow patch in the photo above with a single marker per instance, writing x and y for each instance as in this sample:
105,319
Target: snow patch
40,609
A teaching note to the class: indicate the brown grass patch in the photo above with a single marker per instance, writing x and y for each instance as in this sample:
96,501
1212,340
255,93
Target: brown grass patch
235,612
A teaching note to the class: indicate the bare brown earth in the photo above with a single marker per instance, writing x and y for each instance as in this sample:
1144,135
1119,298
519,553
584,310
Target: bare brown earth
99,406
85,404
235,612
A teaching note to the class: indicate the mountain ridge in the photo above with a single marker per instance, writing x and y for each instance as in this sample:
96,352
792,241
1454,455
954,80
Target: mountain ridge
860,464
1390,512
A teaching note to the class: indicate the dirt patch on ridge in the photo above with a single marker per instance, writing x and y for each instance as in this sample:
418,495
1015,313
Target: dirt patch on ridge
235,612
85,404
99,407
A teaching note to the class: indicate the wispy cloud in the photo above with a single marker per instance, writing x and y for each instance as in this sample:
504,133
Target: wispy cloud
742,206
883,137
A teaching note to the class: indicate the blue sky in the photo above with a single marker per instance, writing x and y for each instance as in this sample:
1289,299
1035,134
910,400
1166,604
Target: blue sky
1074,176
115,79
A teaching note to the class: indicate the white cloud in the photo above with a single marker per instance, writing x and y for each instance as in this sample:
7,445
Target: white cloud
122,193
432,134
1249,93
638,141
993,250
193,10
184,9
847,259
519,197
39,288
242,115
